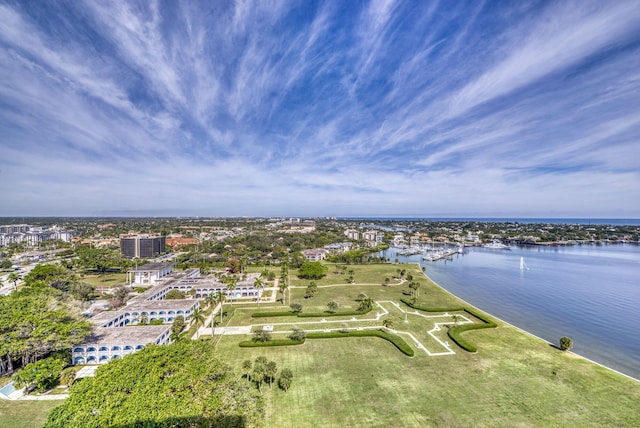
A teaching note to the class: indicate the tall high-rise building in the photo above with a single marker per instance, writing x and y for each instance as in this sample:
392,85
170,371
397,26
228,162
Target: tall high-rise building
142,246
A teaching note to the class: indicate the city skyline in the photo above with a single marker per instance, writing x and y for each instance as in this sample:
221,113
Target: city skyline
347,109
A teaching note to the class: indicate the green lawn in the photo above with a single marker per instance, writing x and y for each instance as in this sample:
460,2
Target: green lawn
513,380
106,280
25,414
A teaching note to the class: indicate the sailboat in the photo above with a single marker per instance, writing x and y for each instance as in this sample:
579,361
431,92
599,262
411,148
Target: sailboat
523,265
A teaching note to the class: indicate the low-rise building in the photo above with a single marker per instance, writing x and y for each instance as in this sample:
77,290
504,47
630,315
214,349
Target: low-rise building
315,255
149,274
112,343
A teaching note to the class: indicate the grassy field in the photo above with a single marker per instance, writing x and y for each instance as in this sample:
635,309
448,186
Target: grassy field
513,380
25,414
105,280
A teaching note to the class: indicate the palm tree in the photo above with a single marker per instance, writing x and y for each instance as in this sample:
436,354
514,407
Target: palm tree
270,371
231,285
258,284
220,298
283,288
198,318
14,277
211,300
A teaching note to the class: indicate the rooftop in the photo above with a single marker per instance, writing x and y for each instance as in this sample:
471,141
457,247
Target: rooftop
126,335
152,266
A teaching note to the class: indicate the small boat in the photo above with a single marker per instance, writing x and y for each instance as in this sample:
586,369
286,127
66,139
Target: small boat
523,265
497,245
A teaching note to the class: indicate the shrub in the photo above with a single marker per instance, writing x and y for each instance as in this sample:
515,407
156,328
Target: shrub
298,334
566,343
262,336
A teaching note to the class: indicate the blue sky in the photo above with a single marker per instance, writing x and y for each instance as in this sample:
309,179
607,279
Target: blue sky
337,108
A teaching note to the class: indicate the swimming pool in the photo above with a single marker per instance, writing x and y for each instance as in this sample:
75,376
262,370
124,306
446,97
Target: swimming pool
7,389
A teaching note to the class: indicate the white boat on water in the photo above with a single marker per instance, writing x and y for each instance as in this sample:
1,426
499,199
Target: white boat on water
523,265
497,245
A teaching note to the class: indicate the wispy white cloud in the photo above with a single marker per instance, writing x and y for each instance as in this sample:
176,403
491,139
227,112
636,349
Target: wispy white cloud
374,108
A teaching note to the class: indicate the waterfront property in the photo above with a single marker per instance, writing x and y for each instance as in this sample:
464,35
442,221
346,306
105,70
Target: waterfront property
121,332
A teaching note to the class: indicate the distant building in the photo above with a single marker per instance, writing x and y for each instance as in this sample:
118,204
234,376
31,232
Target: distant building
176,242
32,236
315,255
352,234
142,246
369,235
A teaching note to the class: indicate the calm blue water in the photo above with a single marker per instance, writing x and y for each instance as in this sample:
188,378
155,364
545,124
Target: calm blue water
589,292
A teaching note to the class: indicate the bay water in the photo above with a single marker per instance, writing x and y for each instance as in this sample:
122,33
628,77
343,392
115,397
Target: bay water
588,292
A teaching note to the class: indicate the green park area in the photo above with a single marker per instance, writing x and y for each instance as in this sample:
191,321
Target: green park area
512,379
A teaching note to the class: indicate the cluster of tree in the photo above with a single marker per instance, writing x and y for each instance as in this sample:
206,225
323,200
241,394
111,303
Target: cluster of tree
312,270
311,290
359,256
414,287
262,370
181,384
36,322
42,375
58,277
101,259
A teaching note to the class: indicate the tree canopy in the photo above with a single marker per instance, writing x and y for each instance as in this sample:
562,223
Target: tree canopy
180,384
312,270
35,322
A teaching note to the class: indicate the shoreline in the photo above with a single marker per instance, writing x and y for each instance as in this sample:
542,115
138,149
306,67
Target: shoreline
522,330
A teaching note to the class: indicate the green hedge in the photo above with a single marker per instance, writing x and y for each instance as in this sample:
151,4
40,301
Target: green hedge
331,314
308,314
396,340
424,308
275,342
455,333
273,314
